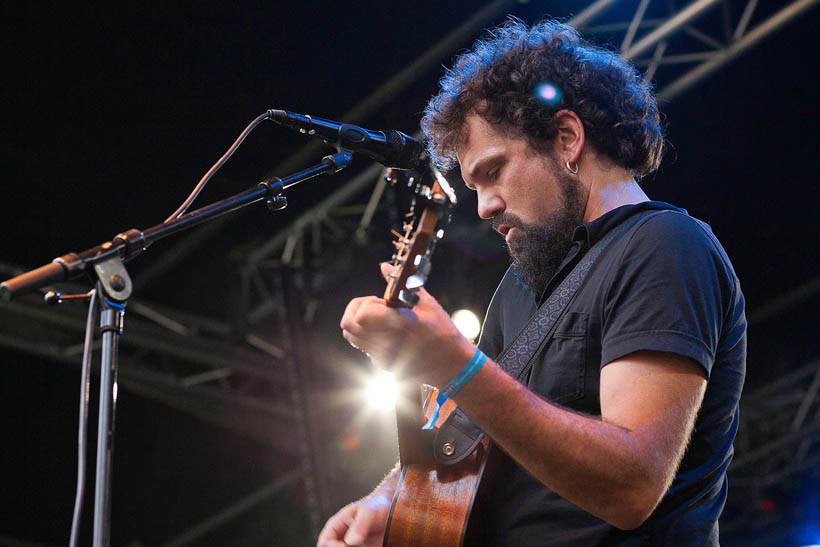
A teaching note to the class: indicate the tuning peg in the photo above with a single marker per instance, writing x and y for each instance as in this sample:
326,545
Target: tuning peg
415,281
423,266
409,298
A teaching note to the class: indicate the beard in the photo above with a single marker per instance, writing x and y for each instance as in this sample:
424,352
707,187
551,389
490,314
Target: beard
539,249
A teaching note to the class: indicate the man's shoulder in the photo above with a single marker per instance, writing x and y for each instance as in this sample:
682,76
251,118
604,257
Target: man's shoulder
675,222
672,233
662,217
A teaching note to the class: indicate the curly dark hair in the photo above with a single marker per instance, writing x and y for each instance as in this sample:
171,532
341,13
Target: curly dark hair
499,79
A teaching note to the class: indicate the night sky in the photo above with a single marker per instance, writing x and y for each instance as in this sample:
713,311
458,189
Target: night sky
113,114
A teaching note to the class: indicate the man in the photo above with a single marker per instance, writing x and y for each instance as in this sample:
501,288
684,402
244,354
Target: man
623,431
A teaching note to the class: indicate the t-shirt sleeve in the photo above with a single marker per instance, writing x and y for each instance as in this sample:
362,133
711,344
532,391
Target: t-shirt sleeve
667,291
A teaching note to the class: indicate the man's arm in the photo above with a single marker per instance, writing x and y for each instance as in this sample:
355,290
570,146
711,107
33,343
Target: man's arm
617,467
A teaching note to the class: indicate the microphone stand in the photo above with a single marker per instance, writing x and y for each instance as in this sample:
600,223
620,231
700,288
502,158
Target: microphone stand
114,285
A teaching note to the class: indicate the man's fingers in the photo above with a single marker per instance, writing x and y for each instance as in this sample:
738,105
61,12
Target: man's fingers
336,527
330,542
356,308
353,340
350,312
359,524
361,529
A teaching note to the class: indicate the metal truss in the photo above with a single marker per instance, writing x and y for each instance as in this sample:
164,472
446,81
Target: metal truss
224,516
676,47
194,364
688,45
779,433
778,438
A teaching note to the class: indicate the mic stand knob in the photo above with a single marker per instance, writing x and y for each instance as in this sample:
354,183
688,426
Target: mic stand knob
277,203
53,298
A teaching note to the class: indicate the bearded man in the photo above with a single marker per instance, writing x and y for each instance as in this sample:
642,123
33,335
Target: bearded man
621,431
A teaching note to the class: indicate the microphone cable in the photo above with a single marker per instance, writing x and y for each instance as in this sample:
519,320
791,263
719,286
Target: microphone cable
210,173
82,435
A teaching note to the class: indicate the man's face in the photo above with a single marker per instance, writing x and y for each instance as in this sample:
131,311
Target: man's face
532,201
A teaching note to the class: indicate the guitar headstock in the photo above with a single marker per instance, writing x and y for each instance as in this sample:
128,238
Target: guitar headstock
423,227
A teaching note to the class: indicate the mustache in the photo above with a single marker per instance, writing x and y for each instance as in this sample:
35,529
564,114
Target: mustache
509,219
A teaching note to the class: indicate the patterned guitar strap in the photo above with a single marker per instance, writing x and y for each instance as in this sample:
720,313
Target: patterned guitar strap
458,436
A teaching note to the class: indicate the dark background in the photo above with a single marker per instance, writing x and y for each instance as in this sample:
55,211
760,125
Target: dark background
111,115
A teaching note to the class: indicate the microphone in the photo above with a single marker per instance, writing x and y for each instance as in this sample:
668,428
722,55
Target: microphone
390,148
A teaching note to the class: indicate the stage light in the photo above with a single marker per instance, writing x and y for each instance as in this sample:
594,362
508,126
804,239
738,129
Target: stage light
381,391
467,323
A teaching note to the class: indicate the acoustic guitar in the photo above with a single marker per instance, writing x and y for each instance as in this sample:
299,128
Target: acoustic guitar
432,502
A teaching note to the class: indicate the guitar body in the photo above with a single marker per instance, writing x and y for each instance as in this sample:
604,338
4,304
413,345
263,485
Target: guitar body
432,503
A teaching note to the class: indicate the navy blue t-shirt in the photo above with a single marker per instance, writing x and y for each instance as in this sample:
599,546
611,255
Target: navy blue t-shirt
665,285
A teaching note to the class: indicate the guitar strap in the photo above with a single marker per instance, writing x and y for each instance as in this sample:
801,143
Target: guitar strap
458,436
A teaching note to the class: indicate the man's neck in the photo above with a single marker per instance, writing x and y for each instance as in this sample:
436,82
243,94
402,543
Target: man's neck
610,188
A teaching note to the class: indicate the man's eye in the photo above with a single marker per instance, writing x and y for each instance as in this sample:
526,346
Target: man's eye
492,175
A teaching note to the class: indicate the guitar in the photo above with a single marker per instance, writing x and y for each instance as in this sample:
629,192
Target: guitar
432,502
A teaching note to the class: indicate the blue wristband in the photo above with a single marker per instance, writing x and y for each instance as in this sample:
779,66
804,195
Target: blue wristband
452,387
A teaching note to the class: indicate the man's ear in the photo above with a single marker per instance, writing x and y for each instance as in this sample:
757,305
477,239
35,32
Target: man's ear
569,142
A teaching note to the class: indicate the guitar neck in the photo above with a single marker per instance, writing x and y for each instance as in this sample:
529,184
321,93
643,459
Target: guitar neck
410,269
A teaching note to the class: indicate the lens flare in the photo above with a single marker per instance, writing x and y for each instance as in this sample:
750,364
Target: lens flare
547,93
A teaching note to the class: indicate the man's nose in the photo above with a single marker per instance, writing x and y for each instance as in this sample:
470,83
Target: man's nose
490,204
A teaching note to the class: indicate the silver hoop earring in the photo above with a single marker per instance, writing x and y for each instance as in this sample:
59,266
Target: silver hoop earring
572,170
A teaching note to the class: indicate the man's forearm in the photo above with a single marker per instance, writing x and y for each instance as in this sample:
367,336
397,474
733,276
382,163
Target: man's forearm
605,469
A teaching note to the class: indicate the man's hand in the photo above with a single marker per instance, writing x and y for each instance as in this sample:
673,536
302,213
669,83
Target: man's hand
421,343
359,523
362,522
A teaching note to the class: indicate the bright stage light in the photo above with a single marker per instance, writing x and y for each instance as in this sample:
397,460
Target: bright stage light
382,392
467,323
